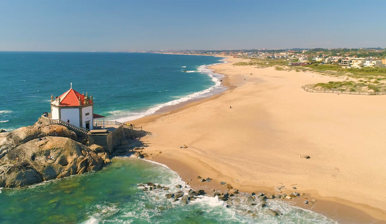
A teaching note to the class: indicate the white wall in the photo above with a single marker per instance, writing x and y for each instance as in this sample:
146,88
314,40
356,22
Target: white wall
71,114
54,113
87,115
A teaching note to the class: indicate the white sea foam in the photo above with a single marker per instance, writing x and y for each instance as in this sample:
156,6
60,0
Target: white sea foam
237,212
104,211
5,111
91,220
216,88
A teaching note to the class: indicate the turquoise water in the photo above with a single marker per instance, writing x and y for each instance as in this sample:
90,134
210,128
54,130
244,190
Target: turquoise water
113,196
124,85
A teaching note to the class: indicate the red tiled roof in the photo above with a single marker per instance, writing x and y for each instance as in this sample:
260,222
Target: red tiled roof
72,98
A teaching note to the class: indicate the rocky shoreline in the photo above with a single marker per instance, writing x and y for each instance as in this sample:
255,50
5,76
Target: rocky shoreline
252,204
44,151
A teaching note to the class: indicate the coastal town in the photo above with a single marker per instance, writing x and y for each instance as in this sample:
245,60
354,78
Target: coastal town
345,58
354,71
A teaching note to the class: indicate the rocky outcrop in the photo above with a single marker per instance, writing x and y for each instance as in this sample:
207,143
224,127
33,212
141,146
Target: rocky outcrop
45,159
10,140
44,151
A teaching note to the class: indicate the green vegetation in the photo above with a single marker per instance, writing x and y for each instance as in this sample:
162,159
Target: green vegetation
350,86
262,63
378,73
333,69
364,80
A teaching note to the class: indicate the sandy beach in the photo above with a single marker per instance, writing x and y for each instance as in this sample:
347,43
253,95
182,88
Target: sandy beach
257,134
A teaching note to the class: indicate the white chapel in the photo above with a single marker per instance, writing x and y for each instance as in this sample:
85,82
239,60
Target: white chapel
73,108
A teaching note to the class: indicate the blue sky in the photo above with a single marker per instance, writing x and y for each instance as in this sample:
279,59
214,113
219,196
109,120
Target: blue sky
117,25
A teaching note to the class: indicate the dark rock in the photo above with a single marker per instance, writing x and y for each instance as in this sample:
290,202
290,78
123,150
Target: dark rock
201,192
168,196
179,194
49,173
224,197
222,183
216,193
306,202
192,193
23,176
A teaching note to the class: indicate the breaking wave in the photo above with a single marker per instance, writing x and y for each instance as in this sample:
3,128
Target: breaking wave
217,87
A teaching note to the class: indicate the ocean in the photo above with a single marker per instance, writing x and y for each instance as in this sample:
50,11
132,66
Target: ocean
125,86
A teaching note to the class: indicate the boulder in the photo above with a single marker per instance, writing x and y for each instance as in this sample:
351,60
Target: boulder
179,194
44,159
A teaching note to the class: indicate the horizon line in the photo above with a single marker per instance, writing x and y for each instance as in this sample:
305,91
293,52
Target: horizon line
154,51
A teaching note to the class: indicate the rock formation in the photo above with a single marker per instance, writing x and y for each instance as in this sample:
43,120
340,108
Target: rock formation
44,151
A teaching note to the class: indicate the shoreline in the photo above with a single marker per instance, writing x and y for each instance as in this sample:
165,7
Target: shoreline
215,89
188,172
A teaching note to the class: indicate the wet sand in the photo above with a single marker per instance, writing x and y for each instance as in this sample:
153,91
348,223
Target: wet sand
256,136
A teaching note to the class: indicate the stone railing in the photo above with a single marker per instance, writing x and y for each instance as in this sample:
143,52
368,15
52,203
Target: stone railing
104,124
68,125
